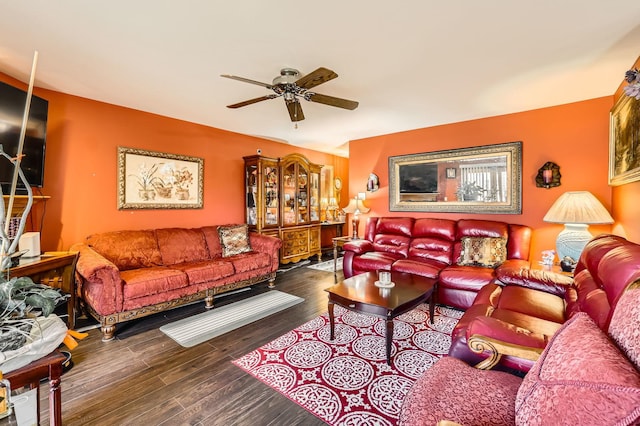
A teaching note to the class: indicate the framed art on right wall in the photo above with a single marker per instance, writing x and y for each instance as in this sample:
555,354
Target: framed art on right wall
624,141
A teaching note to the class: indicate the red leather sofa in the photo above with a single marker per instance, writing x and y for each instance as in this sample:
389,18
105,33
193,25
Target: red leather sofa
430,247
513,318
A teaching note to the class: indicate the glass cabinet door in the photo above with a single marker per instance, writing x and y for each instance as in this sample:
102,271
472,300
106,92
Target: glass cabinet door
270,173
289,186
314,197
251,179
303,194
262,205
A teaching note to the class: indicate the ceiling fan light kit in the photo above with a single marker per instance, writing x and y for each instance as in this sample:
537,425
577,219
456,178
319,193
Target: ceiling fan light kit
290,86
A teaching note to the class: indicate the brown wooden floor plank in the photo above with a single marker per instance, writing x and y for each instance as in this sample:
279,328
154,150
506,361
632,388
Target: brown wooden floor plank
131,415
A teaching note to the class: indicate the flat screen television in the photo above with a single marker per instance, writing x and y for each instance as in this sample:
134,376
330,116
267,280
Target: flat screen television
12,103
419,178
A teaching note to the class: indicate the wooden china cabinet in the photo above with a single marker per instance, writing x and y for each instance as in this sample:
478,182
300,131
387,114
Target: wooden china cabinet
283,200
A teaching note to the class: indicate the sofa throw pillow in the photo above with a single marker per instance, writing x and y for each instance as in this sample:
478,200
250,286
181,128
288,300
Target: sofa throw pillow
234,239
482,251
580,378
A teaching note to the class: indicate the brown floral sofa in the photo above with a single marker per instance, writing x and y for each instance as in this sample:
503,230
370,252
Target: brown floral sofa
123,275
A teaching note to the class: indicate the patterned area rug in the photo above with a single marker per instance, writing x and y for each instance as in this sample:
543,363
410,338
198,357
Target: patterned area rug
327,265
347,381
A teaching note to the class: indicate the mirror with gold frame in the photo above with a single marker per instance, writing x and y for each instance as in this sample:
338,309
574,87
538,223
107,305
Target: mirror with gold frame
484,179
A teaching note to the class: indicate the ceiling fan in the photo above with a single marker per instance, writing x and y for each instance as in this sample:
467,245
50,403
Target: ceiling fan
291,86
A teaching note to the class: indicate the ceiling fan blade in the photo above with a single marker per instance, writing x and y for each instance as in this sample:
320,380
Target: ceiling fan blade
252,101
295,110
246,80
330,100
319,76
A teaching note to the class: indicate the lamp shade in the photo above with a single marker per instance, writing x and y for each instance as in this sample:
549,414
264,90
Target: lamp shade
578,207
356,206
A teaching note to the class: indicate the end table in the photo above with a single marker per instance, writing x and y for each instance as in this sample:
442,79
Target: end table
48,367
55,269
551,268
338,242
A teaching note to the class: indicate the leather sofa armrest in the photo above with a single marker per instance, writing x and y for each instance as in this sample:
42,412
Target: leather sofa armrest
487,334
358,246
99,280
537,279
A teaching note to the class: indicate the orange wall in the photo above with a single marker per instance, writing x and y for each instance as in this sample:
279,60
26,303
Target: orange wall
575,136
81,168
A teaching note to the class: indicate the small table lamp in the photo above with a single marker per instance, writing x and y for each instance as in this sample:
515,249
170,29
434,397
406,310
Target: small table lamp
576,210
356,206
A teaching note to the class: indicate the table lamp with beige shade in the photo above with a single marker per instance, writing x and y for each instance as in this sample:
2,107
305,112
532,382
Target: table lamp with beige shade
576,210
356,207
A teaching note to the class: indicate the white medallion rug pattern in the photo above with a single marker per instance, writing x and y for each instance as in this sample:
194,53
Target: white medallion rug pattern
347,381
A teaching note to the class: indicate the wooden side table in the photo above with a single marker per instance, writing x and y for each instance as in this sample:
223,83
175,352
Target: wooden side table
330,230
30,375
551,268
338,242
55,269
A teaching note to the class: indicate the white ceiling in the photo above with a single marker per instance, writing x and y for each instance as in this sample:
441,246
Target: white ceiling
410,64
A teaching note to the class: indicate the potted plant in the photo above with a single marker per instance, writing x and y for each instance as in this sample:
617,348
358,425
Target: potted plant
28,330
470,191
22,302
147,181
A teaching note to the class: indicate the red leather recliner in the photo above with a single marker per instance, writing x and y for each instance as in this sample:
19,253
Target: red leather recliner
522,308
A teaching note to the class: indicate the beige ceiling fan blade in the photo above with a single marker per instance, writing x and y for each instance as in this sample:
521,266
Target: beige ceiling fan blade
247,80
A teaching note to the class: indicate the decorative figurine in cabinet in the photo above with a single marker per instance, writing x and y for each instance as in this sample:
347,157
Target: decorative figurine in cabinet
262,193
283,199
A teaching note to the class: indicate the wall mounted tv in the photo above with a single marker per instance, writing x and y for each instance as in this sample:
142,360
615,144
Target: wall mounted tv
12,103
418,178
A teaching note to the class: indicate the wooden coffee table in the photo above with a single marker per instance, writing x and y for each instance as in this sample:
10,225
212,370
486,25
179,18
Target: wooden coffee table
360,294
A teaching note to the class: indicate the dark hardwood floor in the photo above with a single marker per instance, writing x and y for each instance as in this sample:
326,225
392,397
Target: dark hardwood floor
147,378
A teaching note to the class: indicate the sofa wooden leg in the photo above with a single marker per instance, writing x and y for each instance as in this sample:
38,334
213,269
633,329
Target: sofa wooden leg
108,332
272,282
208,302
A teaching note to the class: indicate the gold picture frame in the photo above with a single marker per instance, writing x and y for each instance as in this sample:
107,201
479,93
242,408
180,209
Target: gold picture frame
624,141
483,179
158,180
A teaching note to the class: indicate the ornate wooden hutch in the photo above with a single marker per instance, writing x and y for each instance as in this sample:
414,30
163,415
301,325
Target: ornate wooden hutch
283,200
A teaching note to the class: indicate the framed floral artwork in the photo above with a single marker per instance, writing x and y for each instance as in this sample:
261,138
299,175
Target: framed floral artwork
158,180
624,141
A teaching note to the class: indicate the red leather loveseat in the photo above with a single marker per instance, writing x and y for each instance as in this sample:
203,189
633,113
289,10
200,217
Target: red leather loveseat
432,247
513,318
